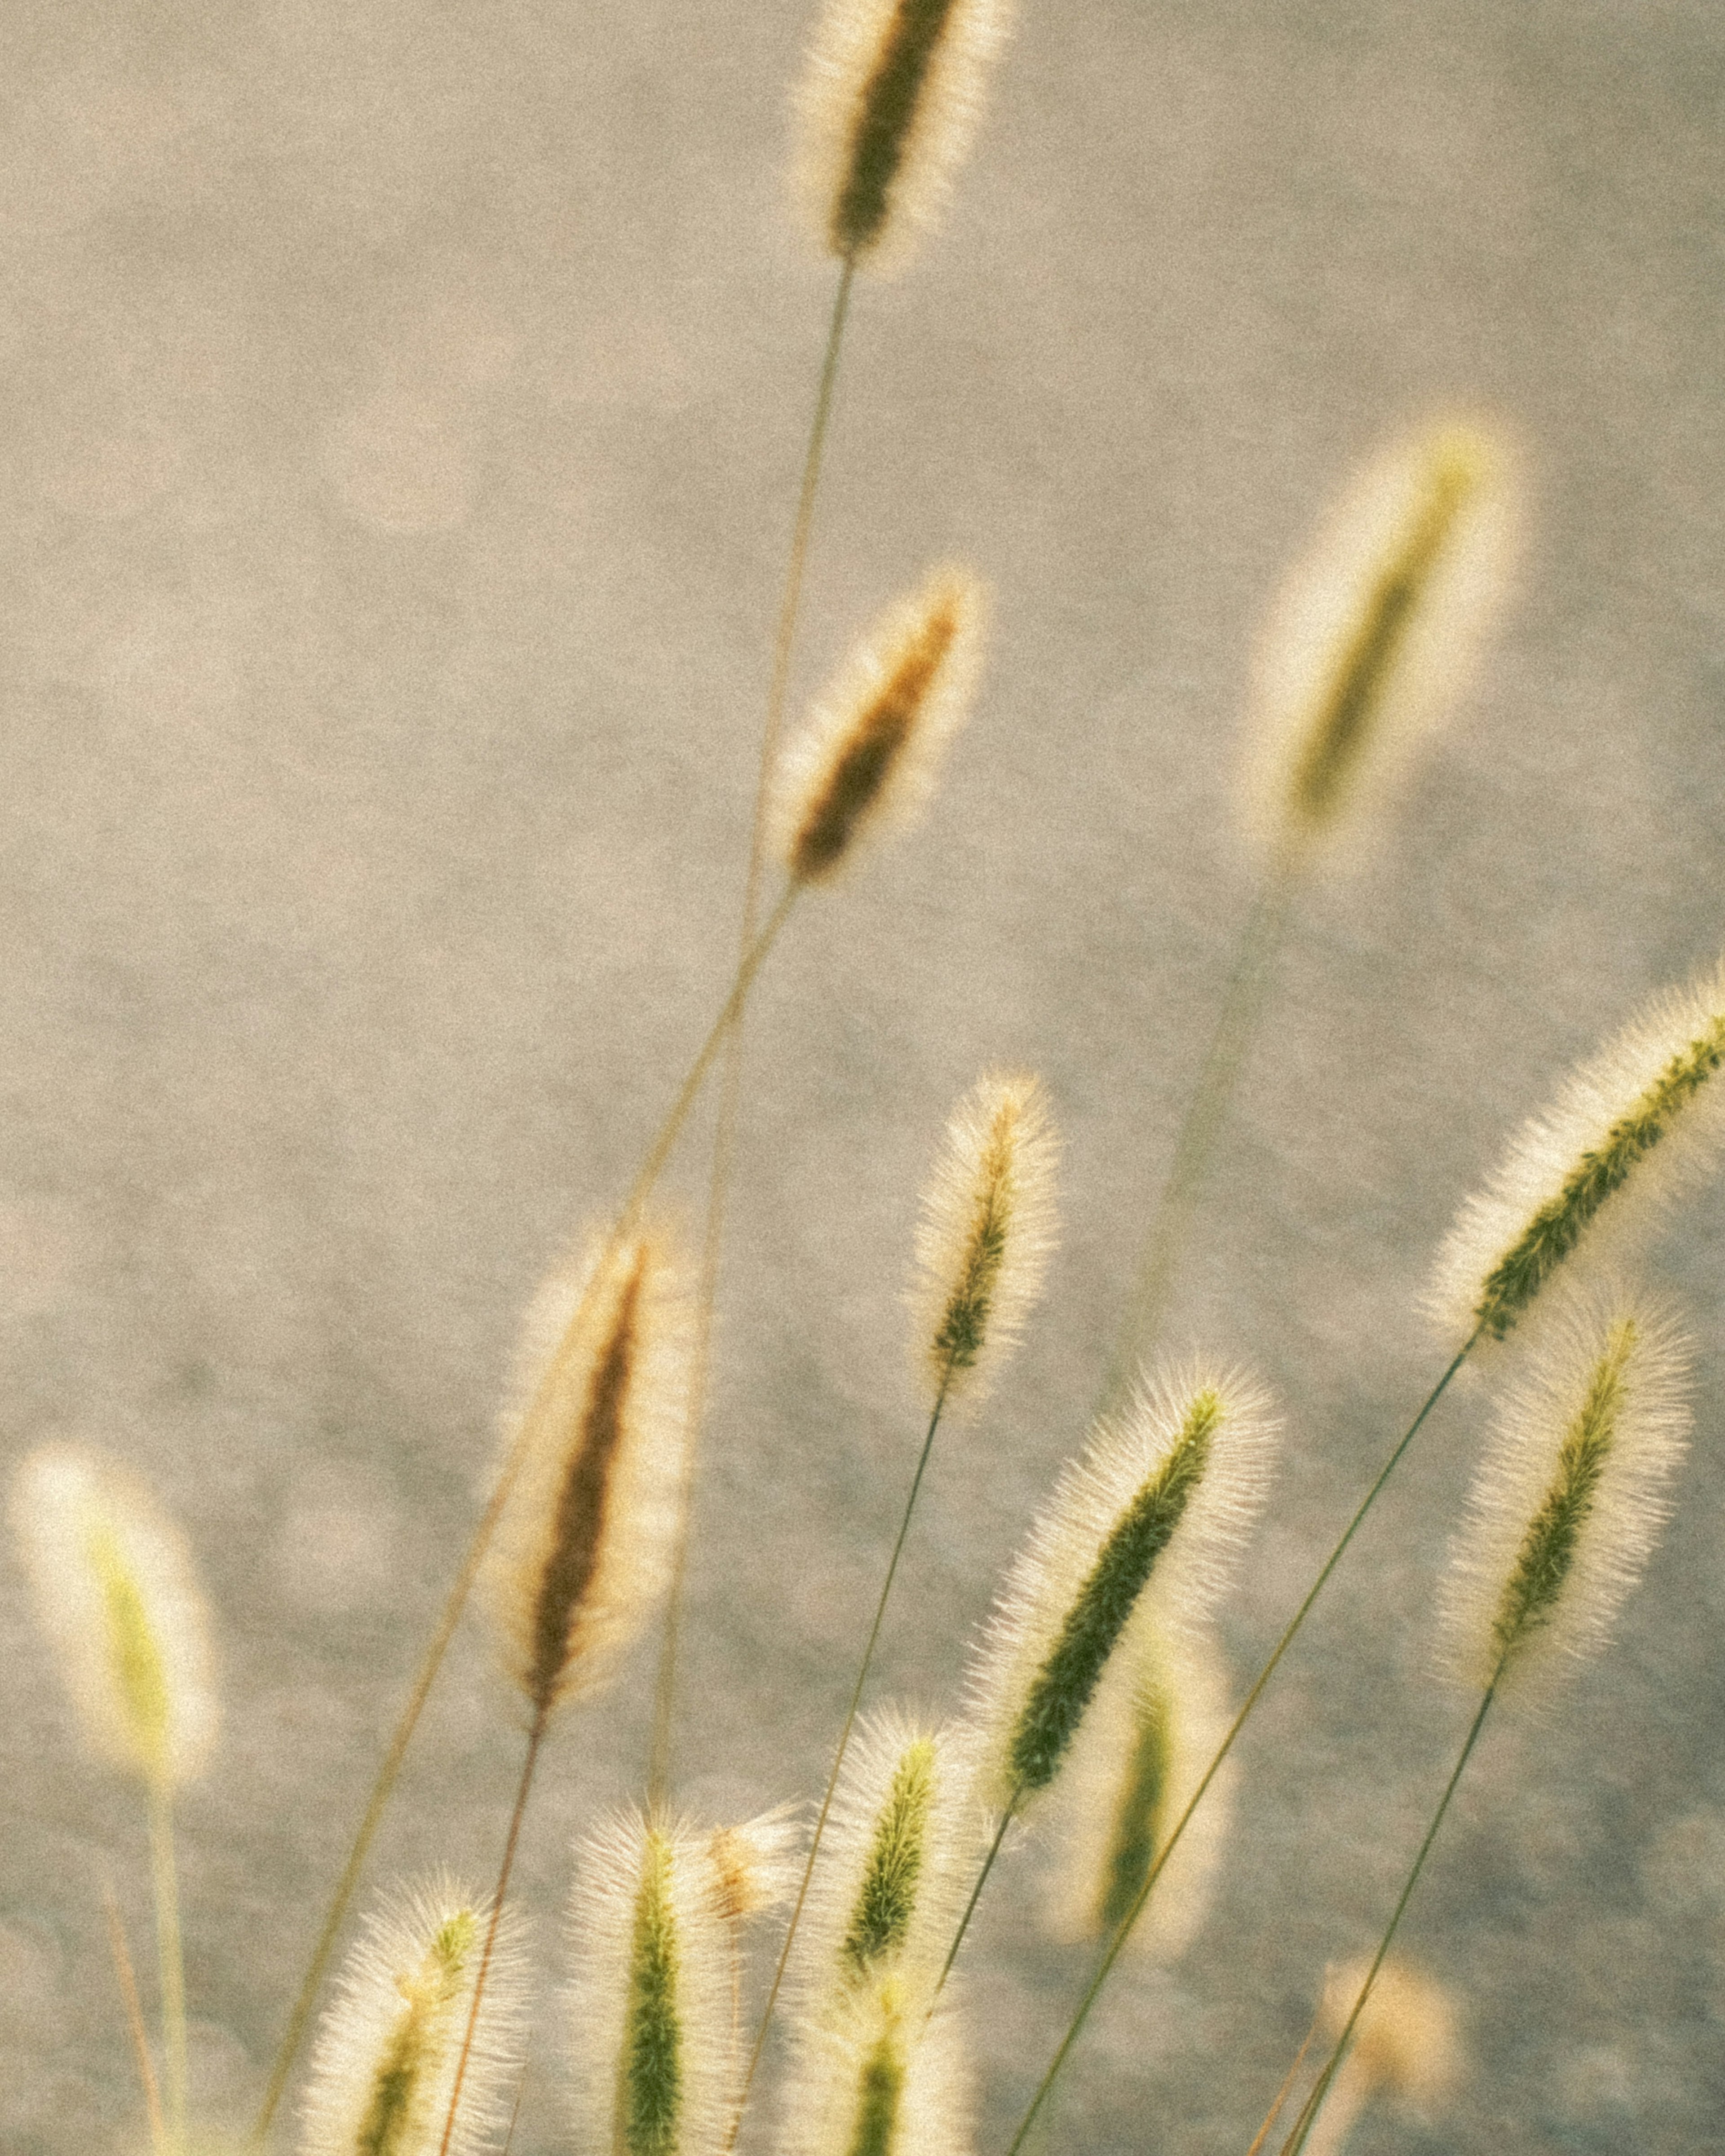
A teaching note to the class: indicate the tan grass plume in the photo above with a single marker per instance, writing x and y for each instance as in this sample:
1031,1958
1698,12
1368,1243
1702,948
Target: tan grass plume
1406,2046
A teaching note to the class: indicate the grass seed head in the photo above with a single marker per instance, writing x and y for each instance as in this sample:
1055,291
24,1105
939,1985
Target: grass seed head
988,1228
1375,635
1162,1498
874,740
1584,1182
1570,1497
390,2040
582,1544
885,111
876,2074
116,1596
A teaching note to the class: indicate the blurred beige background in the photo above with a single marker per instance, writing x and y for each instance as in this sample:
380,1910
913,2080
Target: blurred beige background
403,408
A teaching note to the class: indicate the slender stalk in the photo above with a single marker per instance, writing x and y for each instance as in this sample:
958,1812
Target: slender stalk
1288,2081
826,1802
1309,2109
1176,1207
383,1786
731,1070
134,2017
535,1738
1111,1954
976,1891
165,1879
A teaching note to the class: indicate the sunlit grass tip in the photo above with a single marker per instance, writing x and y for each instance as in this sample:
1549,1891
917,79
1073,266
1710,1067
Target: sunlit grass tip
1571,1496
390,2039
886,110
1162,1501
1634,1125
988,1228
649,2008
875,738
1373,636
583,1545
117,1597
900,1847
878,2074
1406,2046
1159,1717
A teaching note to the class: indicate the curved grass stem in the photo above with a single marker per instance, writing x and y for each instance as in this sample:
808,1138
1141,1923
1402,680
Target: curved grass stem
1112,1953
976,1891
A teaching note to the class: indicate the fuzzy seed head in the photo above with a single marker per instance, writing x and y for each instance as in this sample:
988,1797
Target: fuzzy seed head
886,112
1160,1714
876,2074
581,1547
895,1864
1374,635
1570,1498
1163,1498
652,1935
752,1865
1406,2046
390,2041
1583,1183
874,740
116,1594
988,1226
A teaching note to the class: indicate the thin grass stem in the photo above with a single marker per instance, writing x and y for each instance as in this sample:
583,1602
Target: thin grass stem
535,1738
976,1891
731,1069
165,1879
1288,2080
383,1786
844,1734
1112,1953
1309,2109
1176,1207
134,2016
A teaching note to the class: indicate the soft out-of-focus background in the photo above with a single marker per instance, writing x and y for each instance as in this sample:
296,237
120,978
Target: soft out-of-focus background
403,407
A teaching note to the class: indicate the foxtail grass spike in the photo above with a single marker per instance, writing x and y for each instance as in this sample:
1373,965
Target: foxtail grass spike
388,2046
1570,1498
878,2074
1406,2046
1373,636
1158,1718
988,1225
886,112
1585,1181
649,2005
581,1545
870,752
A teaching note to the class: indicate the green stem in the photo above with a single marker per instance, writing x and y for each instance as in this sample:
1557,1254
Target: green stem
826,1802
383,1786
1309,2109
1113,1950
731,1072
165,1879
1176,1207
976,1891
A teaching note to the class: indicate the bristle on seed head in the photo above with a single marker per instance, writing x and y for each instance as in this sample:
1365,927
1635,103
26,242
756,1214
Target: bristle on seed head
1571,1497
876,2074
886,110
1375,635
652,1937
988,1225
1158,1718
582,1544
1161,1502
390,2040
117,1597
1584,1181
874,739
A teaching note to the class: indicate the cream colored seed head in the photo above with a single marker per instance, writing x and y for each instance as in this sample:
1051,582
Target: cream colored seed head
582,1544
876,2074
988,1226
885,111
1571,1496
1161,1503
1583,1183
1406,2046
1374,635
874,739
751,1865
390,2040
116,1595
